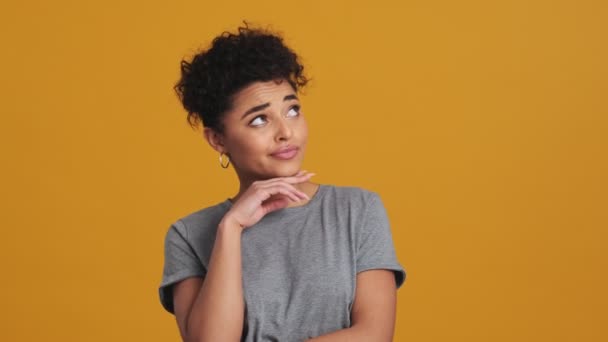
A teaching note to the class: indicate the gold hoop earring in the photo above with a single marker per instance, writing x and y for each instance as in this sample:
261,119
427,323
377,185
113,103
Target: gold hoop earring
225,166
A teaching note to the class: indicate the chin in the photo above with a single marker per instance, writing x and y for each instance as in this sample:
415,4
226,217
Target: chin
286,170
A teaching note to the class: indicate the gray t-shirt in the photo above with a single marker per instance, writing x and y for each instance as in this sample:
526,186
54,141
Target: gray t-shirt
299,263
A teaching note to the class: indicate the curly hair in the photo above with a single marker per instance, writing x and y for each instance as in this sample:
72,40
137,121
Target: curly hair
233,61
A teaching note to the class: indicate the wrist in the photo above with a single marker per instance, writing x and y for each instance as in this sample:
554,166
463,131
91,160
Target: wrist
228,224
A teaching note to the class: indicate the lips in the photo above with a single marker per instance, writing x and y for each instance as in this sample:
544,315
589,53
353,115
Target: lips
287,152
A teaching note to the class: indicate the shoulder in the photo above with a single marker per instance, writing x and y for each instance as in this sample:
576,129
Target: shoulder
353,195
200,222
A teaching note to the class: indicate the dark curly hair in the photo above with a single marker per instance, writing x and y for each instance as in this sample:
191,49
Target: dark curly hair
233,61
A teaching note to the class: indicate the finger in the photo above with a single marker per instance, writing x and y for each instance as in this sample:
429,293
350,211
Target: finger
297,177
291,179
273,205
285,186
300,194
300,178
279,189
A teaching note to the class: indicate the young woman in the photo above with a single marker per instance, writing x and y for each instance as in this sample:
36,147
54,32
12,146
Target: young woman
285,259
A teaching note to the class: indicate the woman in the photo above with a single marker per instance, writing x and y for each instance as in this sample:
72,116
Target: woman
285,259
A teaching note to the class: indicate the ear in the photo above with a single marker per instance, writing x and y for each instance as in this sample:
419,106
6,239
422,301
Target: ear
215,139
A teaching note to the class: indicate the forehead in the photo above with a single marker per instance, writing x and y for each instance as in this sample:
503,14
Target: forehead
261,92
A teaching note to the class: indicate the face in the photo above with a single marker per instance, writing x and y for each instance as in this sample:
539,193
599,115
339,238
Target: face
265,132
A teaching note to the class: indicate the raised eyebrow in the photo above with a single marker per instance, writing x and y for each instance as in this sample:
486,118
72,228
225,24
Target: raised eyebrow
255,109
266,105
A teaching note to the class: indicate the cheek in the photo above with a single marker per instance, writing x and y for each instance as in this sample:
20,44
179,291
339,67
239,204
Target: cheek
303,131
246,145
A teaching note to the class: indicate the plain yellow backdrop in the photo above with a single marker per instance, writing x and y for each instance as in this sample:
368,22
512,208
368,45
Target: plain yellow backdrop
482,124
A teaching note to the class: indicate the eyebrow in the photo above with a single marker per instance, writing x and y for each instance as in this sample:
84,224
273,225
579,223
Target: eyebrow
266,105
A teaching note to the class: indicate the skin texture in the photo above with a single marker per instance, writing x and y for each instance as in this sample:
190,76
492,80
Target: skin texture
249,141
211,308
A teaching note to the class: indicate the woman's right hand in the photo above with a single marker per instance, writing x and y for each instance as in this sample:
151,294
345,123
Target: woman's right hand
263,197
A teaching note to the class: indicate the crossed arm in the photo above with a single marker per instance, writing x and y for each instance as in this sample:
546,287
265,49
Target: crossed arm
373,312
372,315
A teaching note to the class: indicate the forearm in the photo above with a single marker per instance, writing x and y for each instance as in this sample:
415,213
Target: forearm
217,312
348,334
355,333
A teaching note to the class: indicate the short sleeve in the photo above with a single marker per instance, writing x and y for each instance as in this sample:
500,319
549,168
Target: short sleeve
375,248
181,262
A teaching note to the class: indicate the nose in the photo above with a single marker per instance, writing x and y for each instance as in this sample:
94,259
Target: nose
284,130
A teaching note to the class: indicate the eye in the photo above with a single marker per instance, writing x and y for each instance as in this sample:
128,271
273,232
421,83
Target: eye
258,120
294,111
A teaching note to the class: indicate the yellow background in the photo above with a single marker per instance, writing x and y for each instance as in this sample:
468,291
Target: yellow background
482,124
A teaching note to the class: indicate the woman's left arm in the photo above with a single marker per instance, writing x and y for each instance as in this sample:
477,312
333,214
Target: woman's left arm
373,312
